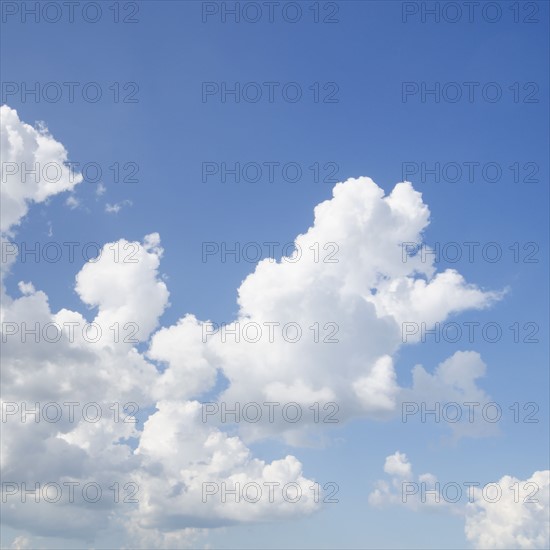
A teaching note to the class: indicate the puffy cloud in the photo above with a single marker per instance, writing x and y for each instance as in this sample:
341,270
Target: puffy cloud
404,488
121,280
180,346
398,465
510,513
52,358
417,301
176,452
26,149
33,169
347,288
377,390
519,519
198,464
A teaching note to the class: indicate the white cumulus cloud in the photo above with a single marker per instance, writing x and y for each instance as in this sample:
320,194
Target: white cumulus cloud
519,519
34,167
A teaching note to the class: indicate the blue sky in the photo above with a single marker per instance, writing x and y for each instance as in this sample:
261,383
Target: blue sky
370,131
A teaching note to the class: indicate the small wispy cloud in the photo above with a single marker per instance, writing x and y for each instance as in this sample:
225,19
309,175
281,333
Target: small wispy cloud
100,189
117,206
72,202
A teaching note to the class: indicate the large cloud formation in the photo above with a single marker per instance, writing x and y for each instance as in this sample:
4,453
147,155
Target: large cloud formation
359,302
121,357
176,452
